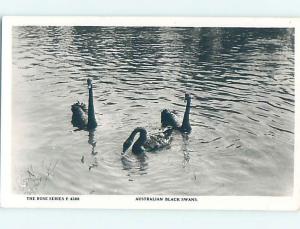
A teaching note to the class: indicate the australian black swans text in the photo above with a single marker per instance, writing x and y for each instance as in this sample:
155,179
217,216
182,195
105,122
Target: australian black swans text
171,199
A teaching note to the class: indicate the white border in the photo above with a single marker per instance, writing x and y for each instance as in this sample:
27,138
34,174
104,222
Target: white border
124,201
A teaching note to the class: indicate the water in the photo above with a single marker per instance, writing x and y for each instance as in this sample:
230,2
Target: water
241,80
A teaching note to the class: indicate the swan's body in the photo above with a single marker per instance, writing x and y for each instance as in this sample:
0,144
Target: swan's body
169,118
147,142
82,117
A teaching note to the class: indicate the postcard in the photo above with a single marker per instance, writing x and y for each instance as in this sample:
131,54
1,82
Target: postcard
150,113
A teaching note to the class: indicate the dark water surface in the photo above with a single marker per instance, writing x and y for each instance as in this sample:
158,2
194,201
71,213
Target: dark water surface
241,80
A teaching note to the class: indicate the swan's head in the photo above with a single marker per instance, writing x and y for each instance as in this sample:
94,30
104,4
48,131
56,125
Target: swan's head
89,83
187,97
127,144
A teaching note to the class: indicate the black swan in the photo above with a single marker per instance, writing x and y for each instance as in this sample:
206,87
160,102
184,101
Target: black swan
82,117
146,142
169,118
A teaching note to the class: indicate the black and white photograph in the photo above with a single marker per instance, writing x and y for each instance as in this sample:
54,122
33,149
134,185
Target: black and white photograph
154,111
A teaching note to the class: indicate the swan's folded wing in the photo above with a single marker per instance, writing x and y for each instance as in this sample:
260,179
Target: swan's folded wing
155,142
169,118
79,116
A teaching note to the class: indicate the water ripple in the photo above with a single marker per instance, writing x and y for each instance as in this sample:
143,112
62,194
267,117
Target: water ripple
241,80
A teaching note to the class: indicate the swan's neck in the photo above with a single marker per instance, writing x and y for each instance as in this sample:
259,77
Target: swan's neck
139,143
186,126
91,113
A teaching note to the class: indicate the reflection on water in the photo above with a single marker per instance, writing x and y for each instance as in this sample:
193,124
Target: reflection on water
94,152
92,141
135,164
242,115
186,154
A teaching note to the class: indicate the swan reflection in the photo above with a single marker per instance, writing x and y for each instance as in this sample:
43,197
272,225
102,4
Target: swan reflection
92,142
185,149
135,164
91,160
